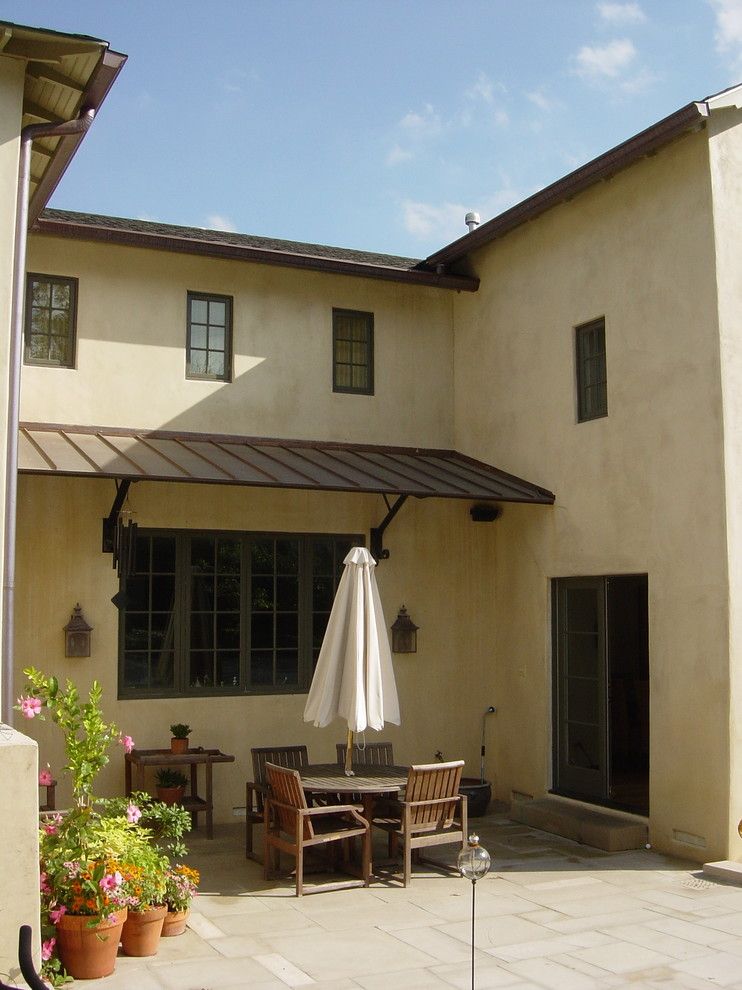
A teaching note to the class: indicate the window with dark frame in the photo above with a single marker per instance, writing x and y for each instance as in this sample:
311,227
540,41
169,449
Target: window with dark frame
226,613
50,320
352,351
592,391
209,337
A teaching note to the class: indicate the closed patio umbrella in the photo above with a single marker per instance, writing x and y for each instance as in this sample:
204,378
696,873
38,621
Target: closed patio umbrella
354,679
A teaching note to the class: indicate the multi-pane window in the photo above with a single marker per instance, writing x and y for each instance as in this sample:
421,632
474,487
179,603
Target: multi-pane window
353,351
226,613
51,315
209,338
592,395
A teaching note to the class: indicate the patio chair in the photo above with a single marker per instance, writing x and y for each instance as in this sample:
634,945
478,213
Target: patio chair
291,826
376,754
433,813
256,789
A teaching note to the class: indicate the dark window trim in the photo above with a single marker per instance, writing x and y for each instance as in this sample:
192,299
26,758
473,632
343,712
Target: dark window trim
228,332
349,389
181,620
584,413
73,283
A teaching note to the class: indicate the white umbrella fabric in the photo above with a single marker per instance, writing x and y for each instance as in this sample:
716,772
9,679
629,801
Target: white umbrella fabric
354,679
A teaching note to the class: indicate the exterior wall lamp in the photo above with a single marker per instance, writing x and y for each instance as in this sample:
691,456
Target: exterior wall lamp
77,635
404,633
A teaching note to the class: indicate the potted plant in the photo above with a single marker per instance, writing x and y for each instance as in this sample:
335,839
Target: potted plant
179,740
171,785
181,884
144,884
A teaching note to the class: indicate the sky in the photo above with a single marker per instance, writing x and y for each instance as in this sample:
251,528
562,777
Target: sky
373,124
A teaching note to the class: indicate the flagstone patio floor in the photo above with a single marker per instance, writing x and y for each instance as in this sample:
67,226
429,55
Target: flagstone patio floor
551,914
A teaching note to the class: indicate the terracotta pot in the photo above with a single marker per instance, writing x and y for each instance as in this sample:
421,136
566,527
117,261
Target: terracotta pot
142,930
178,745
89,952
175,923
170,795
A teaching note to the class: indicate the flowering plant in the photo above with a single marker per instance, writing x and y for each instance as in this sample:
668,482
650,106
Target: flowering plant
181,884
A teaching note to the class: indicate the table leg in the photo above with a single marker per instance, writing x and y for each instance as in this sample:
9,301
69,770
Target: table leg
368,814
194,792
127,775
140,776
209,803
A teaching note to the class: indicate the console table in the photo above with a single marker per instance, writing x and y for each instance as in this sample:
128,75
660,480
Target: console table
193,758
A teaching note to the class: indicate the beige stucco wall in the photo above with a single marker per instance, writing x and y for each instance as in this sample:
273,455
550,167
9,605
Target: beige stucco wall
725,147
131,350
641,491
438,568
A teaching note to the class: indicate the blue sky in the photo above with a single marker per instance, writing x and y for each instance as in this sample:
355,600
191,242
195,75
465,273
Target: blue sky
373,124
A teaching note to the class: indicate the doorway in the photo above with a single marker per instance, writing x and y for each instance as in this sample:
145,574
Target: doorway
601,690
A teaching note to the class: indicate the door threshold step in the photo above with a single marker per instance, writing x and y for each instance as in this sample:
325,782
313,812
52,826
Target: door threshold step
724,869
612,832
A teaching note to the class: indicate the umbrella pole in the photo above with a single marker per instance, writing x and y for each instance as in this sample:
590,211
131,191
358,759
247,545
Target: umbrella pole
349,755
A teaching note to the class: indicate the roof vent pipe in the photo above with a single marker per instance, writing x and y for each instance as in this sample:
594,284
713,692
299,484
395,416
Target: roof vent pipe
472,221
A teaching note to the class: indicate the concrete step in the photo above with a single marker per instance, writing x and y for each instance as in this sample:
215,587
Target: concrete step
613,832
724,869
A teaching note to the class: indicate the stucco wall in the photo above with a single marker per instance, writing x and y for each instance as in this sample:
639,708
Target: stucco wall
131,350
641,491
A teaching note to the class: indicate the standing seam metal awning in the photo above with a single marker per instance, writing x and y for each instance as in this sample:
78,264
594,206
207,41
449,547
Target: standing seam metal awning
158,455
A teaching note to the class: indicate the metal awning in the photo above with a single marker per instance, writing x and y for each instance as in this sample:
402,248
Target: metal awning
158,455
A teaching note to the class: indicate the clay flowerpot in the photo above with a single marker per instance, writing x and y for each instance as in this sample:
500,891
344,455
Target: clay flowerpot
178,745
142,930
175,923
170,795
88,952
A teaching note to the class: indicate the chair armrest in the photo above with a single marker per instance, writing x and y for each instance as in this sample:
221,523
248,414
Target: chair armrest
255,795
431,801
331,809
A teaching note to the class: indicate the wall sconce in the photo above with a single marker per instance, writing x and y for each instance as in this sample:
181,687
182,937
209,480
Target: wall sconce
404,633
77,635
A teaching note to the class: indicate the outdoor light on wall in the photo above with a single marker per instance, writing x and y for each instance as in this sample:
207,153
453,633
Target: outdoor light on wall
77,635
404,633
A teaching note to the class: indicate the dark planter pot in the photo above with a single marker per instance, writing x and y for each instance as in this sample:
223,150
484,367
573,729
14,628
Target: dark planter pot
479,795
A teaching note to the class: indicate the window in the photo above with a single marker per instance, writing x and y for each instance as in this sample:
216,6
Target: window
51,318
209,341
226,613
592,396
353,351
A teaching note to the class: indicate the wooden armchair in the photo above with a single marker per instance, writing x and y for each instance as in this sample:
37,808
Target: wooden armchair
257,788
291,827
433,813
377,754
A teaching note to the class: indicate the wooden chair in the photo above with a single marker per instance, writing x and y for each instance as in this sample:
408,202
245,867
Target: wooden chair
256,789
291,826
433,813
376,754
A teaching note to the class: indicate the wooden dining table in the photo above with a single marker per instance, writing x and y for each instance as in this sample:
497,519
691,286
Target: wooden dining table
368,782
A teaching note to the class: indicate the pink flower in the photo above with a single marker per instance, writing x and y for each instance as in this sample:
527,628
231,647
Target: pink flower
45,777
43,885
127,742
56,913
113,919
47,948
50,828
133,814
30,707
110,881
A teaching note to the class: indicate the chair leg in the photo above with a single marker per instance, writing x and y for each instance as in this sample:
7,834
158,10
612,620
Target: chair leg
366,854
407,862
300,870
267,855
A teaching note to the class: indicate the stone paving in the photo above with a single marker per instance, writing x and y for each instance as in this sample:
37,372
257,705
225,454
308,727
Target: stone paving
552,915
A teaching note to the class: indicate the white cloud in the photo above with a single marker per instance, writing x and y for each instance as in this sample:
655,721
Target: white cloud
483,89
422,125
443,222
605,61
216,221
542,101
622,13
397,155
729,28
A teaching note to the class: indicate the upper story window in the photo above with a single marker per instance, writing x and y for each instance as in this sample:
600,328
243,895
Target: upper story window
352,351
51,318
592,394
209,337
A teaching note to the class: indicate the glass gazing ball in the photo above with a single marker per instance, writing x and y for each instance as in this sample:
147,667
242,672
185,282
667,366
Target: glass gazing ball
473,860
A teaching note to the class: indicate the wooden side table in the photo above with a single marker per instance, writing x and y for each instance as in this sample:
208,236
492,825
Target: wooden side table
193,758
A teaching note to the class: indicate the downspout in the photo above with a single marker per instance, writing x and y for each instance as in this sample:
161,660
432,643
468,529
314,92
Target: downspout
77,126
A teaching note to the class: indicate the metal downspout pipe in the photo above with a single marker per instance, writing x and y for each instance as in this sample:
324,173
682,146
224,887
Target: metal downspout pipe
77,126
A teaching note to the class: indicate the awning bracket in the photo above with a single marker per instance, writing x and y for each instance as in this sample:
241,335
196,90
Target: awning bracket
377,532
108,544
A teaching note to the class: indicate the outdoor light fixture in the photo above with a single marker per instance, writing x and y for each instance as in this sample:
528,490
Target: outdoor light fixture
77,635
404,633
473,862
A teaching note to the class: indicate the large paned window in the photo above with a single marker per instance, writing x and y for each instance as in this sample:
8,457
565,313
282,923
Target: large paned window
51,316
226,613
209,337
353,351
592,394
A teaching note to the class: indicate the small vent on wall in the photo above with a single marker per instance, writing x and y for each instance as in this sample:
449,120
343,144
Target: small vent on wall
689,839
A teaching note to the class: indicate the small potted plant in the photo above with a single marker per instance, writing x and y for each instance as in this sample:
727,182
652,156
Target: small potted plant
179,741
170,785
180,889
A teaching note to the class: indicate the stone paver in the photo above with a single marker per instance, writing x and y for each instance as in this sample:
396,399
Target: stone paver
551,915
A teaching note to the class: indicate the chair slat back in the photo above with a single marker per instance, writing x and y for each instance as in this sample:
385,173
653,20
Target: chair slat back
281,756
429,782
376,754
284,785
